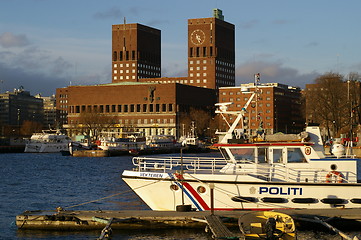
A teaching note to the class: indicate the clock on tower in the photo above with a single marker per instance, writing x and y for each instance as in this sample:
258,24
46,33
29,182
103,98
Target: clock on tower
197,37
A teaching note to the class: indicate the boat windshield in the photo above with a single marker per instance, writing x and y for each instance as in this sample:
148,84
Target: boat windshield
224,154
243,154
262,155
294,155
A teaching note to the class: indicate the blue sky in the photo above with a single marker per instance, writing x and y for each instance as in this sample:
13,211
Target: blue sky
47,44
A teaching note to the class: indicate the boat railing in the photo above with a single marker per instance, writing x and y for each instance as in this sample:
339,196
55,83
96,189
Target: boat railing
285,173
266,172
190,164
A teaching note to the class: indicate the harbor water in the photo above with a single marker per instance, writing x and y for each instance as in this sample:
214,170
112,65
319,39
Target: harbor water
48,181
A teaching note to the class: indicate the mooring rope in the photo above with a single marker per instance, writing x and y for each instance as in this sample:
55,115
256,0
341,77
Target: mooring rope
116,194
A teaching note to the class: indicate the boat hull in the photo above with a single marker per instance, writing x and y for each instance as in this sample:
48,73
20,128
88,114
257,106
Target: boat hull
163,191
46,147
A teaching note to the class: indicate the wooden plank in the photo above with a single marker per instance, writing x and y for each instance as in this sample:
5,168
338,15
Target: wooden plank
219,230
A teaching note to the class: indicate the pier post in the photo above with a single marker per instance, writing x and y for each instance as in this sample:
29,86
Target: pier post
211,186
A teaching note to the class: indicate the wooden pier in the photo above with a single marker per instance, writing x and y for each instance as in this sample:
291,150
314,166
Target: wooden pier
147,219
218,229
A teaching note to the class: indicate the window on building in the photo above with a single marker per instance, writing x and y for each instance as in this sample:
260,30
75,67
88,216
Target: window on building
83,108
115,56
204,52
138,107
151,108
121,57
107,108
126,55
197,52
157,108
101,108
125,108
191,52
133,55
132,109
210,51
144,107
113,108
164,107
119,108
170,107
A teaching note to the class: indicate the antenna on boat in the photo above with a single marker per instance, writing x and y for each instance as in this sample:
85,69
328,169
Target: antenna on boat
257,79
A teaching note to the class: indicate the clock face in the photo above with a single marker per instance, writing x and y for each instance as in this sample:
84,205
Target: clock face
197,37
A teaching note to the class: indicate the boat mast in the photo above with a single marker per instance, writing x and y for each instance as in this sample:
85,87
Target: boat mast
222,109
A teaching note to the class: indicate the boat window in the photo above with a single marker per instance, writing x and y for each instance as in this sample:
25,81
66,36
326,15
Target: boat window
294,155
262,155
224,153
246,154
277,156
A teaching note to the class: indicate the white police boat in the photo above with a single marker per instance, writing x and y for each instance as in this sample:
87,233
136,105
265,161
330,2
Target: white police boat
270,174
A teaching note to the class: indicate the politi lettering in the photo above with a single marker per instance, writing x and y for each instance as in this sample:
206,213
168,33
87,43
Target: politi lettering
281,190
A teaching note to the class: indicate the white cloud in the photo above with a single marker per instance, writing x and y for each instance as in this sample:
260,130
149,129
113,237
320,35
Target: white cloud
8,40
273,72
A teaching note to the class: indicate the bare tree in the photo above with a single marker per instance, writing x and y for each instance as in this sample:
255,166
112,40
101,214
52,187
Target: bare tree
93,122
205,124
329,102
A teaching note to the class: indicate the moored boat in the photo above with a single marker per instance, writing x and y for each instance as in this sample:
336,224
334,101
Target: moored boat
48,141
127,142
255,174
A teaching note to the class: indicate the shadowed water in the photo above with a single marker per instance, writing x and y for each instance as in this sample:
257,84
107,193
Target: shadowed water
47,181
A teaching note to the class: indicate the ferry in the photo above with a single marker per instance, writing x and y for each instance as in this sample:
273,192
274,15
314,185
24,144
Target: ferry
48,141
265,173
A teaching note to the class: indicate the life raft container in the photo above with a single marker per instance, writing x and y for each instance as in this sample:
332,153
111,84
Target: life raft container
339,176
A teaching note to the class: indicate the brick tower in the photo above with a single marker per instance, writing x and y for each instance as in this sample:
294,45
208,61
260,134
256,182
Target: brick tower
211,52
136,52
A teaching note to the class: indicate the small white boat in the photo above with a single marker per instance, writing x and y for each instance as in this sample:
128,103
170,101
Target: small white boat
277,172
121,144
190,140
48,141
161,143
130,143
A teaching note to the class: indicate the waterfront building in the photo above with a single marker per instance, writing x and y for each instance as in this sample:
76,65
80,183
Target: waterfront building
276,108
139,99
17,107
149,108
136,52
211,52
49,111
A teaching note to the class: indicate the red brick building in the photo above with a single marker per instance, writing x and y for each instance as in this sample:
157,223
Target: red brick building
211,52
136,52
139,99
276,109
141,107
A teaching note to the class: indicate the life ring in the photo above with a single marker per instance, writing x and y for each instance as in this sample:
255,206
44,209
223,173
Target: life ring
339,177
